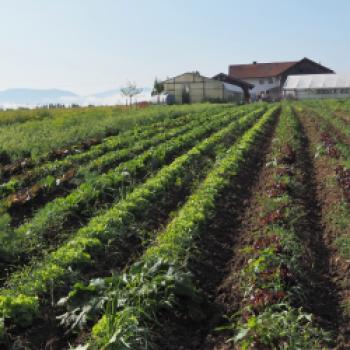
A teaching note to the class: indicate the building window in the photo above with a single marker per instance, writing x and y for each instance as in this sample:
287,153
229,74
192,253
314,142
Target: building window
261,81
270,80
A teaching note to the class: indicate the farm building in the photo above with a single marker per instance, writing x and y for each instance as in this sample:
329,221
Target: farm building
193,87
317,86
269,78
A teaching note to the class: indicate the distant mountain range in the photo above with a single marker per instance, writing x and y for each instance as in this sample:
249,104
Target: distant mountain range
36,97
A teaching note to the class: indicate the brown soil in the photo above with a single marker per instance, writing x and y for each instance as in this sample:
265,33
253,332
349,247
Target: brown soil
344,116
328,197
335,131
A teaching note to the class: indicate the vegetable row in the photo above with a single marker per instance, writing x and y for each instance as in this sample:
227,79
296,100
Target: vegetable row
19,301
126,148
111,143
66,127
88,197
276,263
161,276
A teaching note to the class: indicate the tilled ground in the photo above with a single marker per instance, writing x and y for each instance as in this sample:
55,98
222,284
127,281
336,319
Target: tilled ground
189,329
329,196
220,258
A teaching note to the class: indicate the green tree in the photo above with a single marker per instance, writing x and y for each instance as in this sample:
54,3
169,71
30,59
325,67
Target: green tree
158,87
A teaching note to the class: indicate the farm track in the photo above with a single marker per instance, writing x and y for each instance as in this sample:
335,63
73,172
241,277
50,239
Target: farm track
329,196
209,261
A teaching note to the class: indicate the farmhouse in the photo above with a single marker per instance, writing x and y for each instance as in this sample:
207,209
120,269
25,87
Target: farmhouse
193,87
269,78
317,86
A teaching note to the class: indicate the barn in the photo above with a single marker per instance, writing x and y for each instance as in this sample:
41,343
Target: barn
193,88
317,86
269,78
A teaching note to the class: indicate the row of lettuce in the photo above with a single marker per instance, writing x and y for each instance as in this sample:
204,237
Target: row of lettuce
19,300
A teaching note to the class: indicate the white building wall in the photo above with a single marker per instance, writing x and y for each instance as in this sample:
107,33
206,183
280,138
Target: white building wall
261,85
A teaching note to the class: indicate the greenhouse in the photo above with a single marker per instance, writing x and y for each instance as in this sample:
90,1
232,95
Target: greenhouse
317,86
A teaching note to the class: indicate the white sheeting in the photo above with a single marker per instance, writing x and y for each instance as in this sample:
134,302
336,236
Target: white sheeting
317,81
234,88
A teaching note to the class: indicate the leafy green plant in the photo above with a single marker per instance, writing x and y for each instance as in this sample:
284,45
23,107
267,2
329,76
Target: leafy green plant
279,327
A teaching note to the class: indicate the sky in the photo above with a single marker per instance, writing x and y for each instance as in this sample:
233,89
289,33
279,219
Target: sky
89,46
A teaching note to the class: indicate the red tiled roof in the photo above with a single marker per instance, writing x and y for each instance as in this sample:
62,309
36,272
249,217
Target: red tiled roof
259,70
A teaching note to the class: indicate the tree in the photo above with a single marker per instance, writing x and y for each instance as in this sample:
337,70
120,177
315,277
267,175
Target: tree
130,90
158,87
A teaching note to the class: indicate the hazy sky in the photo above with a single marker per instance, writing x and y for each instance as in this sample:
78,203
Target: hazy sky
94,45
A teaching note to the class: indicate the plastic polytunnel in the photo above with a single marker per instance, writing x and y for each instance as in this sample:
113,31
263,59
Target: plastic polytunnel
317,81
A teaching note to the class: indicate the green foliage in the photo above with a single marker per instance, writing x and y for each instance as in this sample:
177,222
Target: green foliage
53,215
62,127
76,252
279,327
132,295
21,308
173,246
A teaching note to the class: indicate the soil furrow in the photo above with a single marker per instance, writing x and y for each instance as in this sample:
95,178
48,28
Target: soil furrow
329,197
322,293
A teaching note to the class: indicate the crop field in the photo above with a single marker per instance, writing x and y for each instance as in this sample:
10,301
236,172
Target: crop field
199,227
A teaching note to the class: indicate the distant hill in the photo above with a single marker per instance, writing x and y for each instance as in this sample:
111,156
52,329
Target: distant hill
115,92
34,96
13,98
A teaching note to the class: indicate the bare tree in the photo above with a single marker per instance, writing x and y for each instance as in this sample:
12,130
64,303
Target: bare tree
130,90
